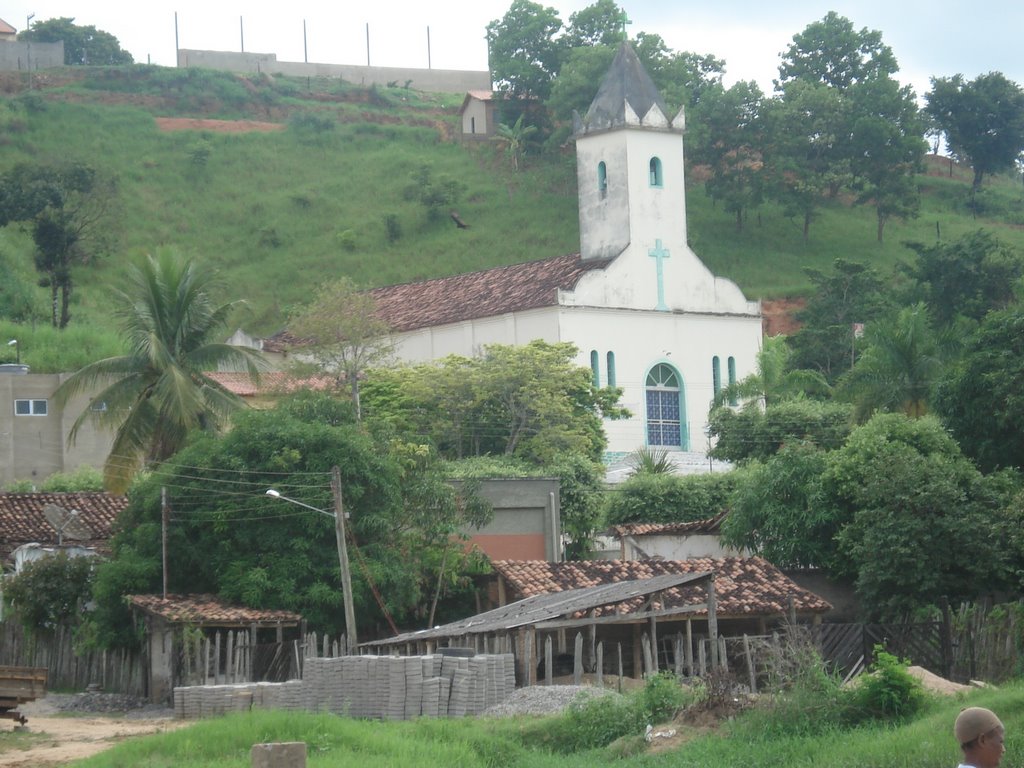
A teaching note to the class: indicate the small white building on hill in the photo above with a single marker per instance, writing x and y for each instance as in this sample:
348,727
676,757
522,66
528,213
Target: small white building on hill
644,311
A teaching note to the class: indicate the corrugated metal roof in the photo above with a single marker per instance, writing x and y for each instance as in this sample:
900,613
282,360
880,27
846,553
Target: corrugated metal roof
539,608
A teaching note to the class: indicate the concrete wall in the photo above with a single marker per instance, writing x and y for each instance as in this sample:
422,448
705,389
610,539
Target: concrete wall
378,687
33,447
679,547
434,80
19,57
527,520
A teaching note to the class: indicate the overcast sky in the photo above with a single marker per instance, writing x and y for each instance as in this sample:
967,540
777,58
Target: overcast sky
935,38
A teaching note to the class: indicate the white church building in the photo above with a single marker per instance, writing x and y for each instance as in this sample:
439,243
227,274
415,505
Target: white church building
644,311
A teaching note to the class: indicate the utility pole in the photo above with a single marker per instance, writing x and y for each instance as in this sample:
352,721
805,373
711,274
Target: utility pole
163,534
346,575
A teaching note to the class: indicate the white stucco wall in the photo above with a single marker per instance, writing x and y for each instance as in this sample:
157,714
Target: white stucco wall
680,547
474,118
468,338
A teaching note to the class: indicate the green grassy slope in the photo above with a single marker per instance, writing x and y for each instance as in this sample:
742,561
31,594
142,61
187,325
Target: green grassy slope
278,213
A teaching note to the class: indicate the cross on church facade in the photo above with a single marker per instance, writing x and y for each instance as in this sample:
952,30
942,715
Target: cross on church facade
659,254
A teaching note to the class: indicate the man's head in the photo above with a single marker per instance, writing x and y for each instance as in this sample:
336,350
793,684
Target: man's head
980,735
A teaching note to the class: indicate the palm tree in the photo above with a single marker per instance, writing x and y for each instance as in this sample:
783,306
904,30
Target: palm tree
899,366
158,392
515,139
772,379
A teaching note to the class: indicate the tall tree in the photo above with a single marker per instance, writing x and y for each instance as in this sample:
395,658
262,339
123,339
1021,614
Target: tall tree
68,208
82,44
842,300
966,277
159,392
899,367
599,24
773,380
524,50
831,52
982,119
981,398
733,147
886,149
340,329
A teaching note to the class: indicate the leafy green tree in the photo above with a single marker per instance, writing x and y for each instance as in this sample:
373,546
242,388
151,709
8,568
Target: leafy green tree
981,397
773,380
832,53
967,277
435,193
158,393
340,329
753,433
899,367
850,295
919,520
68,208
597,24
775,510
806,152
82,44
886,148
227,537
982,119
524,51
50,592
533,402
576,84
733,149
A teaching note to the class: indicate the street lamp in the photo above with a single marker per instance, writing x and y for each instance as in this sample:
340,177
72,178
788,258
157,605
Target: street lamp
17,349
339,533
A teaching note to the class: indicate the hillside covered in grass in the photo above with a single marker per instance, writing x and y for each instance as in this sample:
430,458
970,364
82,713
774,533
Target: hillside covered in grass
315,179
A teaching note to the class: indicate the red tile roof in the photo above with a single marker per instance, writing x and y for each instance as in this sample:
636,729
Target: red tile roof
473,295
6,29
209,610
270,382
744,586
712,525
22,519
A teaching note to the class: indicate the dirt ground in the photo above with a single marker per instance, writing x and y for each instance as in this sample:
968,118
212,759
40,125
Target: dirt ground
215,126
53,740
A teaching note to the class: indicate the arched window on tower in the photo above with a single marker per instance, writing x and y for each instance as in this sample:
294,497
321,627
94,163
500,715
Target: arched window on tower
595,367
655,170
611,369
602,179
665,408
732,379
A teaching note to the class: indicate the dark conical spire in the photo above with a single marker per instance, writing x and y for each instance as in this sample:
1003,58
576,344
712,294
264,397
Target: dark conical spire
625,97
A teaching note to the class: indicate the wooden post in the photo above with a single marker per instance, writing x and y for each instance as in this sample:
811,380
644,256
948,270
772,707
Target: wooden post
577,660
592,655
549,661
713,622
216,659
654,645
619,647
648,664
677,655
346,576
638,652
229,666
689,647
531,666
750,663
702,666
599,668
723,660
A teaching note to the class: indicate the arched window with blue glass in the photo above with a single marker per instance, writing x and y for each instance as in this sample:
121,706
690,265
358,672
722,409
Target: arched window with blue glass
611,369
665,408
595,367
655,170
732,381
602,179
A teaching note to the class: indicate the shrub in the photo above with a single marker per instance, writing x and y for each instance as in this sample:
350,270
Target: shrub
50,591
665,498
83,479
889,691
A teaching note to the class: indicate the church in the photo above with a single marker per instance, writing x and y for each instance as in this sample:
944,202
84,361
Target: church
646,314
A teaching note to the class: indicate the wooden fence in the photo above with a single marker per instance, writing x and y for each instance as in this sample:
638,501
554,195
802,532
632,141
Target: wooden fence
112,671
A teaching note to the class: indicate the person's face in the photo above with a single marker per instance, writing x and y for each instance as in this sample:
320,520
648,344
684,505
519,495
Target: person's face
990,749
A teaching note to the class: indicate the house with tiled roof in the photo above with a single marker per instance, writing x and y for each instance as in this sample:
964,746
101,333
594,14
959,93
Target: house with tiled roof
478,115
645,313
81,521
7,32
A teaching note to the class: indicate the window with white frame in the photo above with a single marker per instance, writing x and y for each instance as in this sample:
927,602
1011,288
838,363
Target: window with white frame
29,407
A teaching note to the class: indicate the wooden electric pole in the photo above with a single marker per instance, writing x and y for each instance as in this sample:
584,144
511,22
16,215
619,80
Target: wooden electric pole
346,574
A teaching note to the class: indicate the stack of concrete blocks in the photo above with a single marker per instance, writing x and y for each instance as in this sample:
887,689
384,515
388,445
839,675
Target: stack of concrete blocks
375,687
